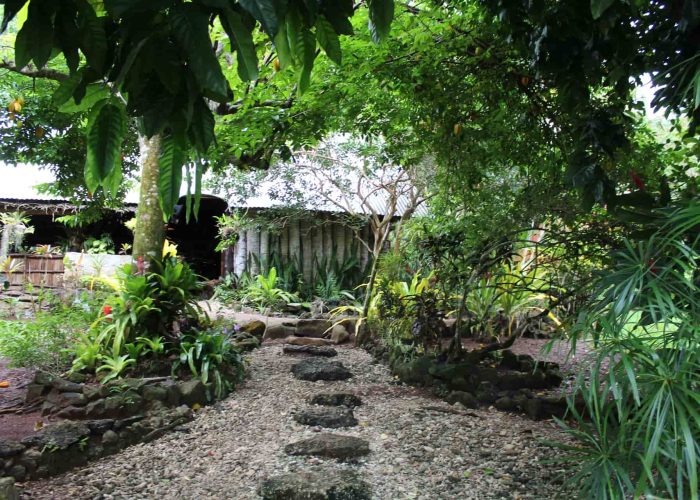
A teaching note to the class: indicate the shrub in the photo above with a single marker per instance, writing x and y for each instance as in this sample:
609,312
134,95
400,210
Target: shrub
638,432
147,310
210,356
47,340
264,292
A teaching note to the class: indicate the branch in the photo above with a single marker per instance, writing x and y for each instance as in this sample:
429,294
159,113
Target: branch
30,71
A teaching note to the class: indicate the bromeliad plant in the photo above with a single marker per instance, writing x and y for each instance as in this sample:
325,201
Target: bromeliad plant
148,310
210,356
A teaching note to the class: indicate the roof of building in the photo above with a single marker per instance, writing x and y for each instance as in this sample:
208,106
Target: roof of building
19,186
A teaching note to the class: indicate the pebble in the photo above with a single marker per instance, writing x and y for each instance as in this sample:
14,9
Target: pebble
415,453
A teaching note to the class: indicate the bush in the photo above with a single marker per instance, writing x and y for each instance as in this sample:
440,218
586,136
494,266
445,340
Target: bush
639,429
210,356
148,309
46,341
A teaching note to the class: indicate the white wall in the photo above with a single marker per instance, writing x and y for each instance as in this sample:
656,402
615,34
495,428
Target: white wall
86,264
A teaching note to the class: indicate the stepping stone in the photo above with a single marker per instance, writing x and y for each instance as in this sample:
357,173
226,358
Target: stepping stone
336,399
308,341
330,446
314,369
327,352
316,485
331,417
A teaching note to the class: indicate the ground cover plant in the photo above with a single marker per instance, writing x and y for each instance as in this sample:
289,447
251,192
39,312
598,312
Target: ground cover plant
46,337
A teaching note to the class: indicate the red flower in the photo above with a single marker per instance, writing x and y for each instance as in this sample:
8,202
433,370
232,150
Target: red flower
140,265
106,310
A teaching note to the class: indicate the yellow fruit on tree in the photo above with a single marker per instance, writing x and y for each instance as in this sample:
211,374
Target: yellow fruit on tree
14,107
457,129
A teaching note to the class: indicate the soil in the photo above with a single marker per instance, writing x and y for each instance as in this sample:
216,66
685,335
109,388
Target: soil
13,425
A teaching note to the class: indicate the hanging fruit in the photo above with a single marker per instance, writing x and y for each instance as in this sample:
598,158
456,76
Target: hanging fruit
457,129
15,106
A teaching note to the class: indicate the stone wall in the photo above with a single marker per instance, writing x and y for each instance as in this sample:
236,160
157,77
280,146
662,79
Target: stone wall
99,420
509,381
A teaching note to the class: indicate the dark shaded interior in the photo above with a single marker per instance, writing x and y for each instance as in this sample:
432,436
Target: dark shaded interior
196,241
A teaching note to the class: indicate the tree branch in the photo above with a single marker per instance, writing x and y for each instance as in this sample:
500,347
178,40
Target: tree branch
30,71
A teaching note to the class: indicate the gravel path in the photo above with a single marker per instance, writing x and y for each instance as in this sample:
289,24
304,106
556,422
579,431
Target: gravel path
415,452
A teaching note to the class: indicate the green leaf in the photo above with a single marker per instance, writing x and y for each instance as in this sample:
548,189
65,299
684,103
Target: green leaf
199,168
381,14
242,41
328,39
94,93
65,90
598,7
93,40
68,35
265,12
201,129
309,55
284,53
295,37
105,134
12,7
123,8
339,12
35,40
172,158
191,28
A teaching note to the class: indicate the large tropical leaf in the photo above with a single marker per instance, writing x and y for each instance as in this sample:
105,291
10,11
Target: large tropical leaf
172,158
93,39
201,130
106,130
35,40
284,52
338,13
242,41
11,8
68,34
265,12
308,56
191,28
328,39
381,13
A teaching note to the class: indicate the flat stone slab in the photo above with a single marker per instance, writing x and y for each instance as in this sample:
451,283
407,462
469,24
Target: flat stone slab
327,352
317,485
59,435
329,416
330,446
307,341
336,399
314,369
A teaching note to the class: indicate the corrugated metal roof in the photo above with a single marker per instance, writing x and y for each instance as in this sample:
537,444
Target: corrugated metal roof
19,184
303,190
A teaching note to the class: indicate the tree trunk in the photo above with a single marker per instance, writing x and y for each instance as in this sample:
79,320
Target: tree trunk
149,234
376,251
